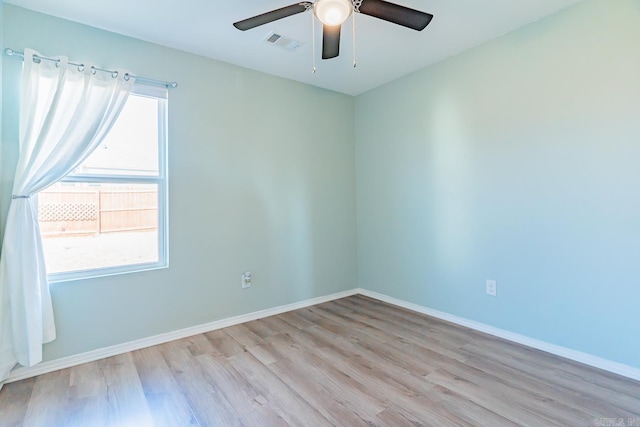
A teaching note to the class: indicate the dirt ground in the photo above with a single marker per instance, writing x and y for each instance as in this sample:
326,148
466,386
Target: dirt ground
64,254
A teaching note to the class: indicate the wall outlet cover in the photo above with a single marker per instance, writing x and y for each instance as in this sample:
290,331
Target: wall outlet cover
492,288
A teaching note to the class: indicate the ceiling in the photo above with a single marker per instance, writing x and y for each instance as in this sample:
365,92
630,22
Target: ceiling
384,51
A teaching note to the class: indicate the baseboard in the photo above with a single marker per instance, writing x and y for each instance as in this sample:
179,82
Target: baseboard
78,359
585,358
67,362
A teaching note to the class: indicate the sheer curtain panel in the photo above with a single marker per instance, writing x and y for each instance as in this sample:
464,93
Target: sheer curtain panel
65,112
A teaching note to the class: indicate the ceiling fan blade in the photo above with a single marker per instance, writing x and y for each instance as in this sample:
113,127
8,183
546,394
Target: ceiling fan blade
274,15
330,41
396,14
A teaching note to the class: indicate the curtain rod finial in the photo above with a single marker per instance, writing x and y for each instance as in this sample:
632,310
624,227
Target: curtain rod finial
9,51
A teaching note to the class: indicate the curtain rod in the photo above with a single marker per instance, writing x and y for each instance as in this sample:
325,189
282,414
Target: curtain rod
168,85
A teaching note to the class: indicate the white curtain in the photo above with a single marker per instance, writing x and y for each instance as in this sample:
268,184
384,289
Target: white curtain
65,112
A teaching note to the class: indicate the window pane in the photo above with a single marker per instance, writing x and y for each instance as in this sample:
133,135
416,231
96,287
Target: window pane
131,147
86,226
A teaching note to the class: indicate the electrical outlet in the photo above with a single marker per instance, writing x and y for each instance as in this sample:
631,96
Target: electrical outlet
492,288
246,280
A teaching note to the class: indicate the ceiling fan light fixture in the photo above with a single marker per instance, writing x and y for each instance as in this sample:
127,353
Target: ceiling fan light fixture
333,12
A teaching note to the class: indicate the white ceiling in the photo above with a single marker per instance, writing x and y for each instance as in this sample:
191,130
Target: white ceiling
384,51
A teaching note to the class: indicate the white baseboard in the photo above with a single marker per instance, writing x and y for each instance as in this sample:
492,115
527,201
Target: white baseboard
567,353
78,359
90,356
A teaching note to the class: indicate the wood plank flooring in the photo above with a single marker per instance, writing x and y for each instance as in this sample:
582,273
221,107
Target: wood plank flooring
350,362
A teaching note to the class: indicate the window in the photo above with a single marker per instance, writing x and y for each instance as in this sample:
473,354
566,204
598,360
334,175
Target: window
110,214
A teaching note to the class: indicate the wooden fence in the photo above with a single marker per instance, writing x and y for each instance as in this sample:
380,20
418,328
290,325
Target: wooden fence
87,210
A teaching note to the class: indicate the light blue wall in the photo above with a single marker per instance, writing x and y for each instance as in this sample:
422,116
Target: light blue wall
3,183
261,178
517,161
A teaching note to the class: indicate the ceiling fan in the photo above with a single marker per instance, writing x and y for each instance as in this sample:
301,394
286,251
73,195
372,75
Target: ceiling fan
332,13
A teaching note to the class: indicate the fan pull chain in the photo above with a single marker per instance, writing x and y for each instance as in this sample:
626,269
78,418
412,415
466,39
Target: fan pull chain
353,38
313,42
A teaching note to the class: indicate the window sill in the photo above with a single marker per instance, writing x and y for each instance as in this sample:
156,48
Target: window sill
104,272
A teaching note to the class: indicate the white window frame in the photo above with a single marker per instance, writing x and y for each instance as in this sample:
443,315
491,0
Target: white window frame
161,94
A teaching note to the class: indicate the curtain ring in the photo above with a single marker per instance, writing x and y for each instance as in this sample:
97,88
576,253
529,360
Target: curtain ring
37,60
114,74
93,70
58,63
81,67
127,76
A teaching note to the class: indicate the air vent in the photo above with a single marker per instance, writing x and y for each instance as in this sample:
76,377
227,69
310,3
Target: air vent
284,42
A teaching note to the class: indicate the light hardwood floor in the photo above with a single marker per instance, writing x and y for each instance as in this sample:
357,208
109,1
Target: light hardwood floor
354,361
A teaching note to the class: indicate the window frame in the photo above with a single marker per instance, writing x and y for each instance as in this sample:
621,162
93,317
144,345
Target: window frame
161,180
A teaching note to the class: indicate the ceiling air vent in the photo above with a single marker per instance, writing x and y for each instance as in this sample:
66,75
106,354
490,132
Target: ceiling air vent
284,42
